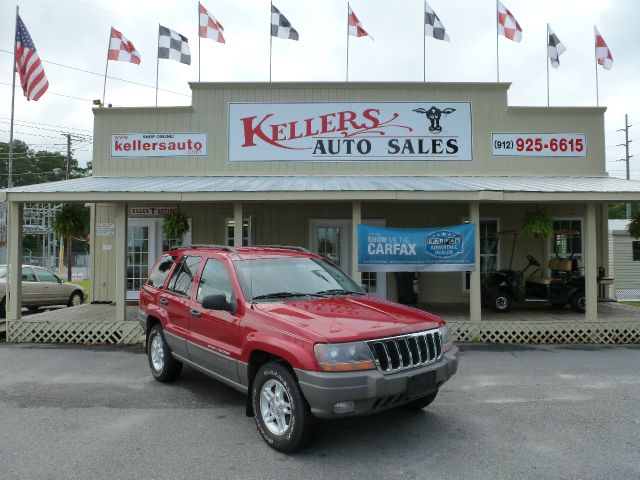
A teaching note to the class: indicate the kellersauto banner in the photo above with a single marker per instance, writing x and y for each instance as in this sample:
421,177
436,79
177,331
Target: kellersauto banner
350,131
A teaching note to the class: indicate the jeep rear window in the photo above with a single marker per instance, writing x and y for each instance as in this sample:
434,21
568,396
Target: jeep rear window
160,271
265,276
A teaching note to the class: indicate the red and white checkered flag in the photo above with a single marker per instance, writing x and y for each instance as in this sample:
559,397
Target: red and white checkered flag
121,49
603,54
355,26
209,26
508,26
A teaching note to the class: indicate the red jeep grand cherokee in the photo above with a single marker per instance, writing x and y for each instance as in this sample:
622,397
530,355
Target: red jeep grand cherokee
294,332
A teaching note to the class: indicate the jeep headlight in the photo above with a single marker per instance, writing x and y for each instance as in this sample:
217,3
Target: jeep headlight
447,338
343,357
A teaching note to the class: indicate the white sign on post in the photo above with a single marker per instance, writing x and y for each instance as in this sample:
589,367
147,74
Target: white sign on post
105,229
350,131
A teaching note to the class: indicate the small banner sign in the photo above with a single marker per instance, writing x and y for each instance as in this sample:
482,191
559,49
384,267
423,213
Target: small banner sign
159,145
444,249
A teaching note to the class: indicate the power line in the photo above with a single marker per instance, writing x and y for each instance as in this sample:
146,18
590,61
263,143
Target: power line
37,127
31,134
48,124
54,93
102,75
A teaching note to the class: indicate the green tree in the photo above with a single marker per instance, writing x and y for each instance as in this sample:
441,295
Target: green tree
634,225
619,210
68,223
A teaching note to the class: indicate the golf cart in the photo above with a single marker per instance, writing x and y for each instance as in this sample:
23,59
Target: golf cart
564,286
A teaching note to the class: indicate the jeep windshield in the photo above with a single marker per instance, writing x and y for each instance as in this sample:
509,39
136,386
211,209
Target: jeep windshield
289,278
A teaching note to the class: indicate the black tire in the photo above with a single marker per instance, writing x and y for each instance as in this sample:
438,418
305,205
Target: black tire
169,368
75,299
301,423
500,303
33,308
419,403
578,302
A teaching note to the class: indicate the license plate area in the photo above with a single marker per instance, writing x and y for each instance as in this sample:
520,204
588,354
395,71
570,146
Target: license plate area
421,383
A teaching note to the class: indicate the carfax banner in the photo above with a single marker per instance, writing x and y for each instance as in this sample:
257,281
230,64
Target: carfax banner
350,131
443,249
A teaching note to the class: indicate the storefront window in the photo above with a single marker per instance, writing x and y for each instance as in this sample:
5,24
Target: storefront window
246,232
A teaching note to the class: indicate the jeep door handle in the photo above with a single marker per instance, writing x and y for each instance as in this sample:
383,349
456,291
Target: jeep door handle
164,301
195,313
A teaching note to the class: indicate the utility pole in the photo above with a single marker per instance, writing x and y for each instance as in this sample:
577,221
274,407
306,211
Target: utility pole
627,157
68,135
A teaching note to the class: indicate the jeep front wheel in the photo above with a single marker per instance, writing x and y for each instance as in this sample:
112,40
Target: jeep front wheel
282,414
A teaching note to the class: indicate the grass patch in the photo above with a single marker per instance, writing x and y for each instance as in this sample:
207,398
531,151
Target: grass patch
632,304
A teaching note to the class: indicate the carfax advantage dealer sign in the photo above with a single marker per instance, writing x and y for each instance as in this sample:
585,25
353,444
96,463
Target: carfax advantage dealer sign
352,131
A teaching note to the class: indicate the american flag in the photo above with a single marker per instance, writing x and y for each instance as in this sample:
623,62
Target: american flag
34,81
508,26
355,26
121,49
603,54
209,26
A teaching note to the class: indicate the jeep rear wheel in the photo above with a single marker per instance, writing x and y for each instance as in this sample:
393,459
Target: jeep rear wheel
164,367
281,412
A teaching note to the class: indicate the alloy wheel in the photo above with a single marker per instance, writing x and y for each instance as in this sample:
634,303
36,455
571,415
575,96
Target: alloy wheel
275,407
156,350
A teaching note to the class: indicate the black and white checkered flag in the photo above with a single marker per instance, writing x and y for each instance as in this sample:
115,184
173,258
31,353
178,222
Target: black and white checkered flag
555,48
280,26
433,27
173,46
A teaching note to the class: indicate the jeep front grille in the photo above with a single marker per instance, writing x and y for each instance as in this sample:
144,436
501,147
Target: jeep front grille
404,352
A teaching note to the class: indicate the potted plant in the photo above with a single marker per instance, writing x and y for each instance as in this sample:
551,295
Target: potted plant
175,225
537,224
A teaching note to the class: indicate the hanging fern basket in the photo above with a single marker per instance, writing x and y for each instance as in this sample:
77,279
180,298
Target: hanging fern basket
537,224
175,225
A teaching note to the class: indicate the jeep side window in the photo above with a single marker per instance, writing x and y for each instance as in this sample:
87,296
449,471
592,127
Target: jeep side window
160,271
214,280
183,275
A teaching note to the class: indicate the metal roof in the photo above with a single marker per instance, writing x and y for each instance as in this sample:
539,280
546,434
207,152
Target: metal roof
180,188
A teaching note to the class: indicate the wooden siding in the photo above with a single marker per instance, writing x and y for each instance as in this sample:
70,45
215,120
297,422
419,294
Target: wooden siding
490,113
626,270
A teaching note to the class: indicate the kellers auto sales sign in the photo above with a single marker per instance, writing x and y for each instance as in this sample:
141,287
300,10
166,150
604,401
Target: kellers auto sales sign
354,131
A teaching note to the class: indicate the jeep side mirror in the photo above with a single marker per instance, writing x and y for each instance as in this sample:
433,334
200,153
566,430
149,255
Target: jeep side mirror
217,301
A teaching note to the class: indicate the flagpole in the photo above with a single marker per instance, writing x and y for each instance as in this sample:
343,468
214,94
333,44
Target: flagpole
497,46
13,101
595,51
198,41
104,88
547,58
270,40
348,41
157,64
424,44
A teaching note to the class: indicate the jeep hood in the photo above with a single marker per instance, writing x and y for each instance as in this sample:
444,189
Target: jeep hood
355,317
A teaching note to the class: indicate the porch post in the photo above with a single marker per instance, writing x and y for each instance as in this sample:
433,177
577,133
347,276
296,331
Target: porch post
356,219
475,294
13,303
590,269
237,224
121,262
604,243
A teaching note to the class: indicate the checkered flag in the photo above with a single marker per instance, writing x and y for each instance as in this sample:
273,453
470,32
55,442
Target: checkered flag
121,49
280,26
355,25
508,26
433,27
555,48
603,54
173,46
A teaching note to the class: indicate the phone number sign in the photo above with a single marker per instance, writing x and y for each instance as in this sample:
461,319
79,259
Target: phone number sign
539,144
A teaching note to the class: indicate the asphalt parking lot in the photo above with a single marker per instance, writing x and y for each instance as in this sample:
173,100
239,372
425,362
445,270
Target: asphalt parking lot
510,413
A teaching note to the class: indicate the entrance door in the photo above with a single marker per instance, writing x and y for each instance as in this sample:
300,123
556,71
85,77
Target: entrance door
332,240
141,253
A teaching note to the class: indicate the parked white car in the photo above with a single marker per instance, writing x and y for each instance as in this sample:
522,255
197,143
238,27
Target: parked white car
40,288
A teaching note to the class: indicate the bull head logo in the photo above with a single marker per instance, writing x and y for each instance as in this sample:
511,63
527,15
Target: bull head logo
433,115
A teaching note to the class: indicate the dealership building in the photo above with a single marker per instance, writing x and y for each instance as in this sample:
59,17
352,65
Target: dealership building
305,164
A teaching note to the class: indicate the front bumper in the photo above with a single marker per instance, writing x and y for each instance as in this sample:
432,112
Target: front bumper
370,390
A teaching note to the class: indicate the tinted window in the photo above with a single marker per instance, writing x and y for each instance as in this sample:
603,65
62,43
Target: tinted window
214,280
46,276
160,271
182,277
635,250
28,275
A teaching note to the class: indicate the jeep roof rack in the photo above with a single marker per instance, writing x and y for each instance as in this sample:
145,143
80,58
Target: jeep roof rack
206,245
285,247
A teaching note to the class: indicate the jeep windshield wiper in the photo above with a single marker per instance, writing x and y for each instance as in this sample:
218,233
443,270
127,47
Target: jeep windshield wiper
338,291
284,295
